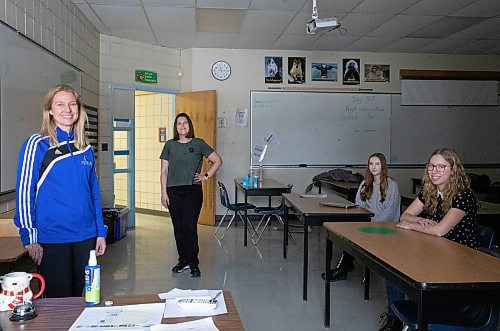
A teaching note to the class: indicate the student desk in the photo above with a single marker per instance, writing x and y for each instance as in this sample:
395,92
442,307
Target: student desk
349,189
60,313
266,188
432,271
311,213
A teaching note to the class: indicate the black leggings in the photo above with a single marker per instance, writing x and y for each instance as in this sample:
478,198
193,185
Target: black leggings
185,206
63,268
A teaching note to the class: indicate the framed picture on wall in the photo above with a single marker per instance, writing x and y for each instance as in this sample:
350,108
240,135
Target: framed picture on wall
296,70
377,73
351,71
273,70
321,71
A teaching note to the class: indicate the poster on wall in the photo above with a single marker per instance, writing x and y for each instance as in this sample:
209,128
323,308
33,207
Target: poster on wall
377,72
296,70
351,71
324,71
273,69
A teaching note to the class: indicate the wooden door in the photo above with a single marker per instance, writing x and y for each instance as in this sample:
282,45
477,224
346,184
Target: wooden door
201,106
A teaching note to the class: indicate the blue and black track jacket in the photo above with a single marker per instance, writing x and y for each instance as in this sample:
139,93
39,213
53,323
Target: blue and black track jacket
57,192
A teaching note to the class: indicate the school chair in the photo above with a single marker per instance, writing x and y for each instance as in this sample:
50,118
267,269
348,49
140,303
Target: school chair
451,318
267,213
486,238
236,208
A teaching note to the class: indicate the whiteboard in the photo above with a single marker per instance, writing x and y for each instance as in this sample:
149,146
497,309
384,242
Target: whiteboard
27,72
319,129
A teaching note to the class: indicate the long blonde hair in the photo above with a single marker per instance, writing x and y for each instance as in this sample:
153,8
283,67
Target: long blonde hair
458,182
49,125
367,191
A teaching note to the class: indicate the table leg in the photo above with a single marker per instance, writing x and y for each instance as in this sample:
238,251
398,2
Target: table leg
422,323
246,221
367,284
285,231
329,247
306,261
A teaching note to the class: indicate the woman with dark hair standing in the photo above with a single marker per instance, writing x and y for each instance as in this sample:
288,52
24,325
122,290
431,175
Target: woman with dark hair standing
181,190
58,203
379,194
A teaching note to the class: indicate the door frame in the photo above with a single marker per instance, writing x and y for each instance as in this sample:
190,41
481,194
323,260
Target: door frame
131,182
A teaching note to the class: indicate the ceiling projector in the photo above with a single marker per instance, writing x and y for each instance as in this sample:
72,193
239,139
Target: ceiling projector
320,23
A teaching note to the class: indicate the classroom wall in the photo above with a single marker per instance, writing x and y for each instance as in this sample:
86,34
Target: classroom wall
119,59
58,26
248,73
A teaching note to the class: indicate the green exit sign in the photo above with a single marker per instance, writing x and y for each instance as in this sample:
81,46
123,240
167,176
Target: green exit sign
145,76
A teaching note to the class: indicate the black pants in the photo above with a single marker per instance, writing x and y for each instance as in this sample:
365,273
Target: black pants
63,268
185,206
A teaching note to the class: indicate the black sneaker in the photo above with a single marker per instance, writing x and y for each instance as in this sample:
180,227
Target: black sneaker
195,272
180,267
390,322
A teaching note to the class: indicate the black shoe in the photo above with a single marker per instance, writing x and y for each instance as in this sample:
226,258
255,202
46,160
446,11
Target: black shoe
338,273
180,267
195,272
390,323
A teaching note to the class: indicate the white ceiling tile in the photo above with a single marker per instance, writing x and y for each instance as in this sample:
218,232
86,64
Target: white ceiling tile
96,22
256,41
480,8
279,4
360,24
294,42
442,46
407,45
333,5
170,3
437,7
143,35
219,20
113,16
383,6
172,19
478,47
114,2
333,42
445,26
227,4
266,21
374,43
402,25
298,24
489,27
216,40
180,40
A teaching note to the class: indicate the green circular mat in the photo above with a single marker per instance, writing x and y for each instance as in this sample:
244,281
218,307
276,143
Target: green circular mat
368,229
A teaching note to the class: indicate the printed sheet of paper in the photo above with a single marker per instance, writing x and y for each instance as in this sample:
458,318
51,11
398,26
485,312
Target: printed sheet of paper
172,310
204,324
130,317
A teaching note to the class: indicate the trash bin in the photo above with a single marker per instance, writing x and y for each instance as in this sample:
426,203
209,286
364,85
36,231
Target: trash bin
110,217
121,229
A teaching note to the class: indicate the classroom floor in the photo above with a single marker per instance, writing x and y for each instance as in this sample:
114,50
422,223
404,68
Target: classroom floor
266,288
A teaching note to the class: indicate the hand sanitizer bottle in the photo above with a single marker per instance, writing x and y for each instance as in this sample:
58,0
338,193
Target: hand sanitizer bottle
92,281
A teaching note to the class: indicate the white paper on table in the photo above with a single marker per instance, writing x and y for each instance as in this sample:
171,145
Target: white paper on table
172,310
129,317
204,324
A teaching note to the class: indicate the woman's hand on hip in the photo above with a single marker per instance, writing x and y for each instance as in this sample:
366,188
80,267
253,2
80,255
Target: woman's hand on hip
100,246
35,251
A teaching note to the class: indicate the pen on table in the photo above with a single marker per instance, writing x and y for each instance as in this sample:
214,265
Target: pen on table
214,299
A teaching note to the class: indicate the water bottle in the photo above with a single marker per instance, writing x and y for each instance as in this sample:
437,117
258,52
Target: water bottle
250,177
261,174
92,281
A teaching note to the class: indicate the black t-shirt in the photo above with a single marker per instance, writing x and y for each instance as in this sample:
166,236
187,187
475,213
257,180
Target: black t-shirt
465,232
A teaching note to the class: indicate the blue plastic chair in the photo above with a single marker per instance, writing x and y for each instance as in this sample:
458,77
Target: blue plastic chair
267,214
236,208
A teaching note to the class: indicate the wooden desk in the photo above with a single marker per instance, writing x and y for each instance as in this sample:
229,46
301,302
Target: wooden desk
60,313
310,213
349,189
267,188
432,271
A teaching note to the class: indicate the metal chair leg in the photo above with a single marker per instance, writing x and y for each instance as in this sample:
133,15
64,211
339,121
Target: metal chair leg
280,219
227,227
220,222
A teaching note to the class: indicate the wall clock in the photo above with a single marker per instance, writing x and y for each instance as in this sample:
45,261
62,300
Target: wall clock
221,70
